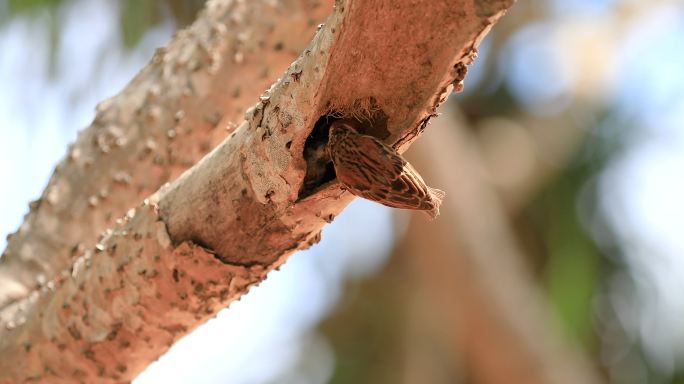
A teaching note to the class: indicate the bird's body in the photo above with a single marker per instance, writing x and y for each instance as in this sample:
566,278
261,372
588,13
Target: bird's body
368,168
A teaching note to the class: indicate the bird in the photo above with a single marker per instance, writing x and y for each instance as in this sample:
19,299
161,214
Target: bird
368,168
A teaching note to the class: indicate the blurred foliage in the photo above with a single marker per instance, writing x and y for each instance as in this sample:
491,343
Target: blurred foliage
136,17
563,253
572,262
25,6
45,11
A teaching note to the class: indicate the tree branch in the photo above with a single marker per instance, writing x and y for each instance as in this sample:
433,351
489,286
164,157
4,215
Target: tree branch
182,104
155,276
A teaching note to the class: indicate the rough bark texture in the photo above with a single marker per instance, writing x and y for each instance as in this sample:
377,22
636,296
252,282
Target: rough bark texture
246,190
119,307
157,275
180,106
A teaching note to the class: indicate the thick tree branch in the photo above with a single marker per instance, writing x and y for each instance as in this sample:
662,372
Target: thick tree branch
182,104
155,276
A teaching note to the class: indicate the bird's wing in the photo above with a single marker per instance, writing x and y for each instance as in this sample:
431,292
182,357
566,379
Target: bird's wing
376,172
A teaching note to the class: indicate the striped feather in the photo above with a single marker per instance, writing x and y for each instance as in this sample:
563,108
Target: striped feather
368,168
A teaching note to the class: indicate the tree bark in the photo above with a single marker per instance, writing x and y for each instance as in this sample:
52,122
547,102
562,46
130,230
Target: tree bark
180,106
201,242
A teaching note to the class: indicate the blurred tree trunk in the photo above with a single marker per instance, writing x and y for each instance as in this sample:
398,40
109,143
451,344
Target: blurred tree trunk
80,309
475,272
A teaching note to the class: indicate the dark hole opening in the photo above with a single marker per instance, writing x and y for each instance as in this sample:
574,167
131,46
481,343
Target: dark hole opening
319,167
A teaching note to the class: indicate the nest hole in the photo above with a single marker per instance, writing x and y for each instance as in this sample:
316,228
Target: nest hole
319,167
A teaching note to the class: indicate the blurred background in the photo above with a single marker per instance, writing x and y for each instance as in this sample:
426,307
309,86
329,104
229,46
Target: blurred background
563,162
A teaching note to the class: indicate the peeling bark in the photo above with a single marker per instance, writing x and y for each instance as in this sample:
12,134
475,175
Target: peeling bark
201,241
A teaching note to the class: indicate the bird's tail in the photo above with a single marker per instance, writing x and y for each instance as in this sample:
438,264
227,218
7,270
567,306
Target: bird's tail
437,196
